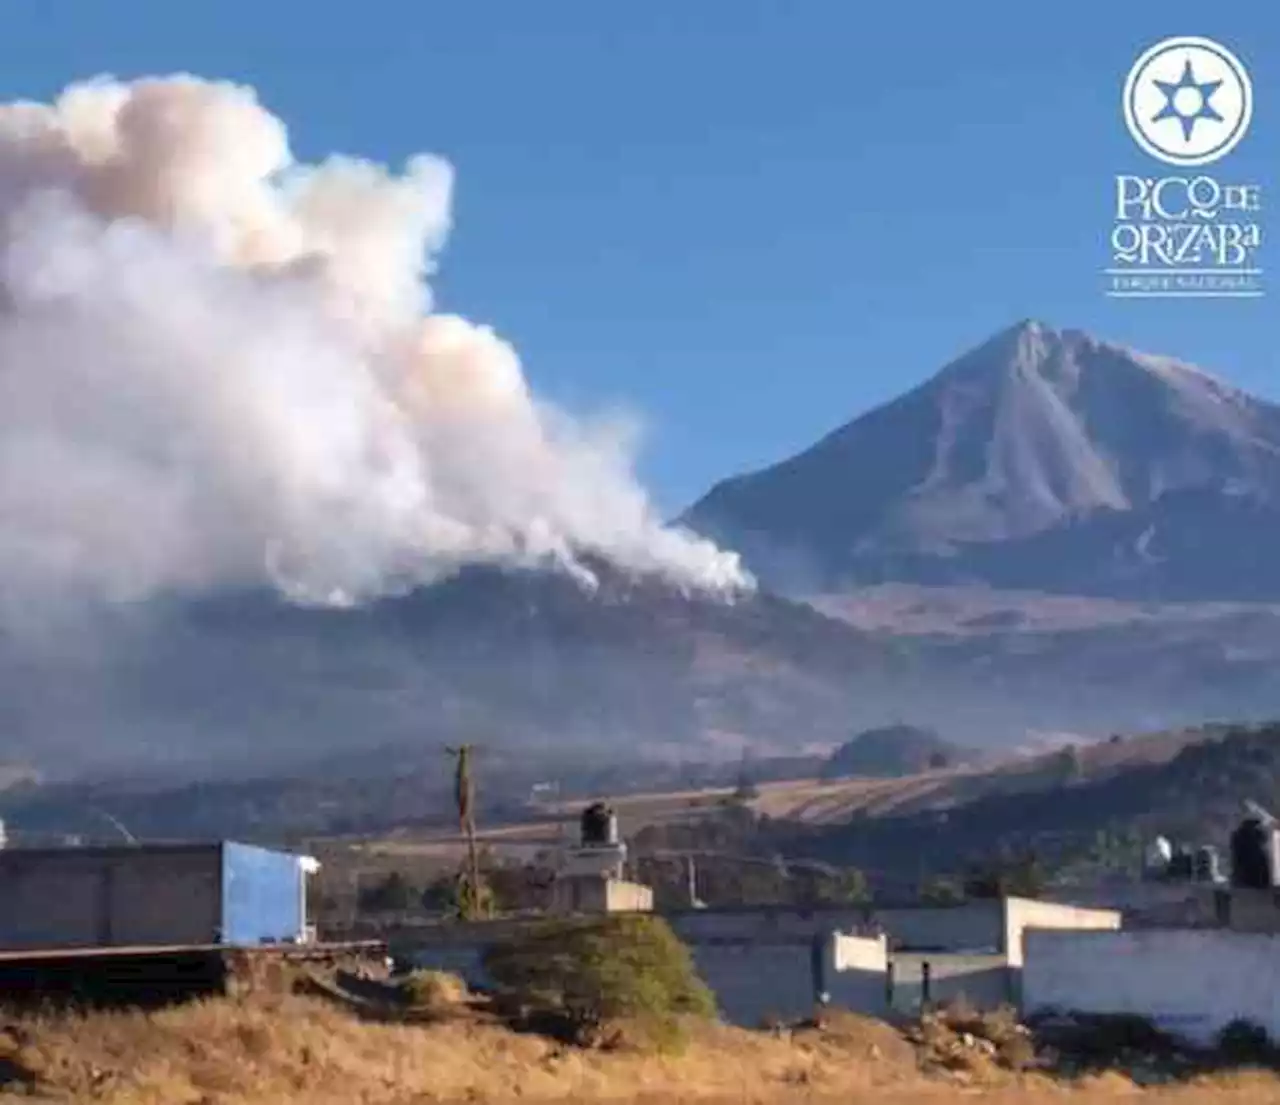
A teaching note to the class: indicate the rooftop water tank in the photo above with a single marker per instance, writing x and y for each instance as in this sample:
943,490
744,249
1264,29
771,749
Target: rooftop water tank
1207,865
1182,866
599,826
1252,855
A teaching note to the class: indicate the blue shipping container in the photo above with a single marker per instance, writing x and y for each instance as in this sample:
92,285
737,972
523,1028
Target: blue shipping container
150,895
263,896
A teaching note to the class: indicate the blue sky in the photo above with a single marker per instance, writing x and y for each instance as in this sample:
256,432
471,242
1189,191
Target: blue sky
748,221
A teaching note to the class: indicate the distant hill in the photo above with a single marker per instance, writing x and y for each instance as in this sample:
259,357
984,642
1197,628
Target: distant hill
12,775
1043,459
892,751
1196,796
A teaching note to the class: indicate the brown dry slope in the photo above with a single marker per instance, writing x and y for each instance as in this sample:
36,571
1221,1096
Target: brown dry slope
293,1049
835,801
832,801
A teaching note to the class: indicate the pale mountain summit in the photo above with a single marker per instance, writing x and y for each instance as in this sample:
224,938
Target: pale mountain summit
1042,458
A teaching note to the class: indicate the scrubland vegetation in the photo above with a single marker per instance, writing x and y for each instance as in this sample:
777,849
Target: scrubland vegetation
602,1011
264,1051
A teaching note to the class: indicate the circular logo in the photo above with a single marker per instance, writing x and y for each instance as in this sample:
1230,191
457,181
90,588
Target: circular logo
1188,101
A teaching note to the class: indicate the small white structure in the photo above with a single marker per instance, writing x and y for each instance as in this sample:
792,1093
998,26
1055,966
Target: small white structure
854,972
602,861
308,865
1159,856
1023,915
1190,982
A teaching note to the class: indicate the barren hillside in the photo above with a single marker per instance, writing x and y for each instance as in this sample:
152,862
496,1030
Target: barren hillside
269,1052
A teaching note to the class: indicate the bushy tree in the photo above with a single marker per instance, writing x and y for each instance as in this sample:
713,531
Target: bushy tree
608,969
845,886
474,899
453,896
942,891
1020,876
1070,765
391,894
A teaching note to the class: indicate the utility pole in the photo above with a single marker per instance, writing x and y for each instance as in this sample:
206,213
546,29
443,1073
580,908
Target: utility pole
464,796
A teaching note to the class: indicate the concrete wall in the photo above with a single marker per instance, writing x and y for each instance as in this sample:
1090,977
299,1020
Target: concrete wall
1149,904
1192,981
752,979
768,923
846,952
595,895
971,927
1252,910
754,982
66,898
622,896
1021,914
763,963
984,981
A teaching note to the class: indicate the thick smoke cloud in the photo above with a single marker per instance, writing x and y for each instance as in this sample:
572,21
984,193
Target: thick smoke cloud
218,366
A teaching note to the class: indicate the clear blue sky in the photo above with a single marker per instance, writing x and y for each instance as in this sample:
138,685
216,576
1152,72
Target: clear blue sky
748,221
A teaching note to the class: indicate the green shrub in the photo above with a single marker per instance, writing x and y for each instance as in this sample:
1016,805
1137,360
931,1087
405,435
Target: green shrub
392,894
1105,1040
1244,1041
590,973
942,891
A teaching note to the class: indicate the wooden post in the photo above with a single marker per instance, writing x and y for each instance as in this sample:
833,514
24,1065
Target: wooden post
464,796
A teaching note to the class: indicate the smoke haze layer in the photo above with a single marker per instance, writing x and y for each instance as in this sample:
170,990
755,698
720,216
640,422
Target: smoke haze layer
219,367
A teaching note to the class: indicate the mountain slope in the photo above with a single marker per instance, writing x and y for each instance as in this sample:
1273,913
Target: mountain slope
1194,797
1042,459
530,664
251,683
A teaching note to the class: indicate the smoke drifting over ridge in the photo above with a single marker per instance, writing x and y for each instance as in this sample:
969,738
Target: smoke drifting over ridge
219,367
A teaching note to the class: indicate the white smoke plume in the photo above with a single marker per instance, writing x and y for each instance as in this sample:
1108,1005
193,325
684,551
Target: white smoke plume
219,367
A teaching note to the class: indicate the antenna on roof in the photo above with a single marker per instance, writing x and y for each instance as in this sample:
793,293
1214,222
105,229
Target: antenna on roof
117,823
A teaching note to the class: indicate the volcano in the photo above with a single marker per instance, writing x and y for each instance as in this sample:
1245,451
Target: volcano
1043,459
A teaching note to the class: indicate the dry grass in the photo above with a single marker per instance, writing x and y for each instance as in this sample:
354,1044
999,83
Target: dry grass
963,1039
295,1049
433,991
